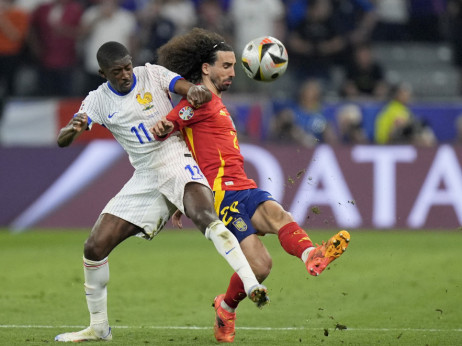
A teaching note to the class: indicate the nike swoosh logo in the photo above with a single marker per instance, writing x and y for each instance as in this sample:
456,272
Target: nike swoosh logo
227,252
111,115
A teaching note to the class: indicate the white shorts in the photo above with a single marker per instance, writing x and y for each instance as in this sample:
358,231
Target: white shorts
150,197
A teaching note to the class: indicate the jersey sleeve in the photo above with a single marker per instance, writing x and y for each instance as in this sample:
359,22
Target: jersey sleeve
184,114
173,116
165,77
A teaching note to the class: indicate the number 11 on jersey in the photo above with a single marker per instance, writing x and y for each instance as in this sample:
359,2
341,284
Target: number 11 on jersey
141,127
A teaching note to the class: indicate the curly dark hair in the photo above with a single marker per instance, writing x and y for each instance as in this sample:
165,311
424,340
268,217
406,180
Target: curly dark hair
185,54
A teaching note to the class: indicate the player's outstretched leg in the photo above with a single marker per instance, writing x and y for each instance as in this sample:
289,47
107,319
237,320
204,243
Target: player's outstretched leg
320,257
224,321
87,334
259,295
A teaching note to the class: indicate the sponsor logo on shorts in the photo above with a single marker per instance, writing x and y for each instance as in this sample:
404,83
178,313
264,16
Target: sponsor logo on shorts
186,113
240,225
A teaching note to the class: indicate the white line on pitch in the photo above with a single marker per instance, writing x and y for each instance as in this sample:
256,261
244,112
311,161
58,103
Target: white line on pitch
19,326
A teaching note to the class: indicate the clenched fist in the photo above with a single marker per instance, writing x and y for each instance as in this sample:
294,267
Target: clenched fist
198,95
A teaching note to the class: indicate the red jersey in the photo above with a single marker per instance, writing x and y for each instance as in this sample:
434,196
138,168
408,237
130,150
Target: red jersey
211,137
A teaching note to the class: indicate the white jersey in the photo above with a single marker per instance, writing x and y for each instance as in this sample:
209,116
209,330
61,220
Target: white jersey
162,168
130,116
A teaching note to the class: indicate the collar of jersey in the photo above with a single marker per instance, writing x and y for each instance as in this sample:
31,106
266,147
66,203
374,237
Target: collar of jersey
120,94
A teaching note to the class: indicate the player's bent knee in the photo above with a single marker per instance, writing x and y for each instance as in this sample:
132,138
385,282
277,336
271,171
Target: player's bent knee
94,251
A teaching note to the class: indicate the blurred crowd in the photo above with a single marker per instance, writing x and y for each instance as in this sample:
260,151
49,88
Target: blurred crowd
304,122
48,49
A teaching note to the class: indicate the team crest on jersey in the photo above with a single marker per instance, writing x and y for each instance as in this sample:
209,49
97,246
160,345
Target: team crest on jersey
186,113
145,100
240,225
222,112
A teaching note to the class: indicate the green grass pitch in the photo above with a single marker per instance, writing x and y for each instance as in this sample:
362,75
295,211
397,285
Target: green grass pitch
389,288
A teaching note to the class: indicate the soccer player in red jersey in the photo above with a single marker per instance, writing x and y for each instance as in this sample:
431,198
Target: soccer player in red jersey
203,57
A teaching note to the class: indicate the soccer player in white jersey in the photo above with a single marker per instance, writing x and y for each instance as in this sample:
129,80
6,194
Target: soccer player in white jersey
166,177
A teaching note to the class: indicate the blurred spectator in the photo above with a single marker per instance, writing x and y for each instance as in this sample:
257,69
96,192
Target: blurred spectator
103,22
212,17
283,129
425,22
304,122
364,76
250,20
349,119
455,22
295,12
53,37
225,4
154,31
132,5
30,5
181,12
14,25
356,18
314,43
458,126
396,124
393,20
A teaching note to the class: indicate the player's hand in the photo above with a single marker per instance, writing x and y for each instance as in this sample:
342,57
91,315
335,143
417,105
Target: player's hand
162,128
198,95
176,219
80,122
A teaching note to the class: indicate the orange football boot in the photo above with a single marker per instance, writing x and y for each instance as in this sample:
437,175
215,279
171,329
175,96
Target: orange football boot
224,321
320,257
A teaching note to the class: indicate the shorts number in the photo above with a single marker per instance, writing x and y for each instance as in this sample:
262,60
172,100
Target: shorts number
224,212
195,172
142,128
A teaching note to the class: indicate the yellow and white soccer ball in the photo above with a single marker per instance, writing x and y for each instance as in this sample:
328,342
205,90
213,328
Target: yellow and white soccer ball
265,59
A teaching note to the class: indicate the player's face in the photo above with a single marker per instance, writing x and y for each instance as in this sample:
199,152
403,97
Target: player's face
221,74
120,74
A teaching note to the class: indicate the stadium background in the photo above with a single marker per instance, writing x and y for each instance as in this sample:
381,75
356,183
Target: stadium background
359,186
398,284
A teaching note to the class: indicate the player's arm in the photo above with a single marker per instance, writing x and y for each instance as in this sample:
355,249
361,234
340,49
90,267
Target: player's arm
72,130
174,122
196,95
162,129
168,124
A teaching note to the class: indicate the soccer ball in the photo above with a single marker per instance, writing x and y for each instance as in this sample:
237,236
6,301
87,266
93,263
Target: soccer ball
264,59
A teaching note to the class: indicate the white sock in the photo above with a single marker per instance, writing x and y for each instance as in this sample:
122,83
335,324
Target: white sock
228,246
227,307
306,253
96,279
